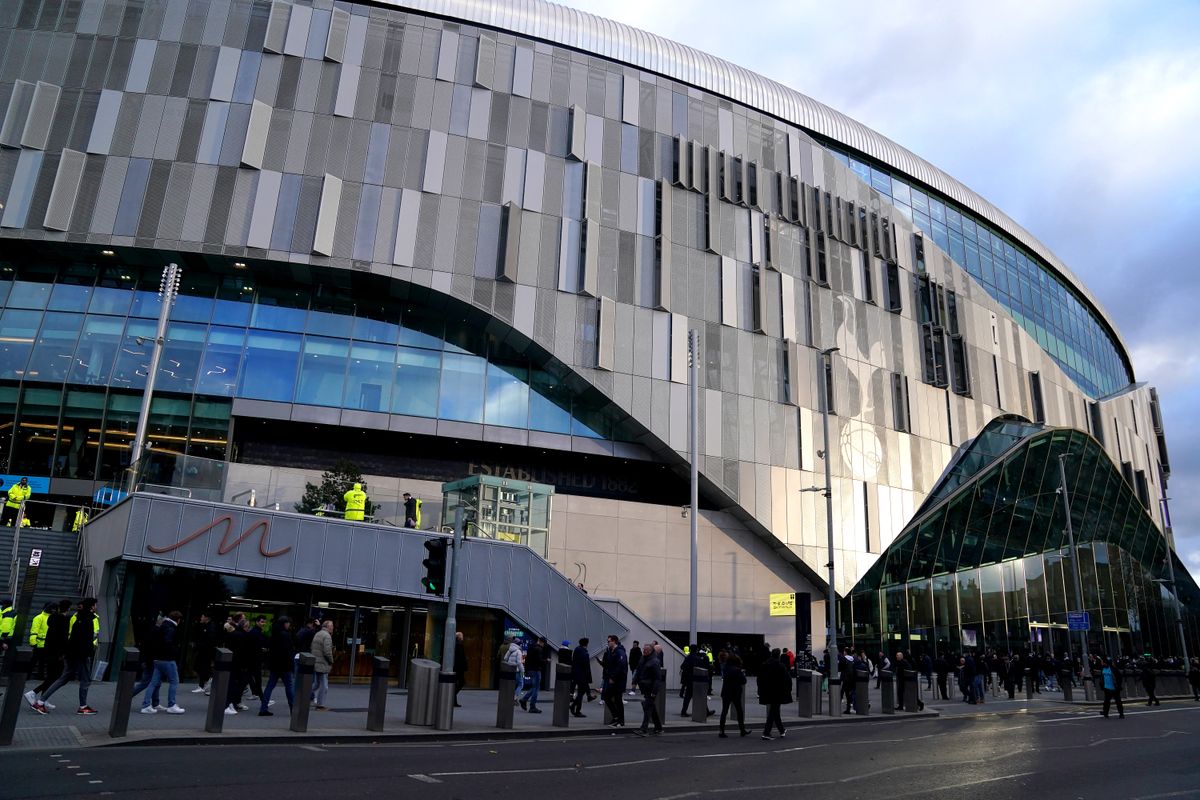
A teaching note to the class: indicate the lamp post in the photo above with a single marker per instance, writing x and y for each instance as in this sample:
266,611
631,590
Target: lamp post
1083,635
1170,581
168,289
831,599
693,454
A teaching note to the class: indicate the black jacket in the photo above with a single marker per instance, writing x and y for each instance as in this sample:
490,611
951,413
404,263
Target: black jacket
165,641
81,639
690,662
460,659
281,651
56,636
635,658
774,685
581,666
648,677
256,645
732,681
535,658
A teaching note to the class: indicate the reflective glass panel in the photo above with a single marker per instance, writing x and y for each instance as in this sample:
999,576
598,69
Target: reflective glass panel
462,388
181,357
269,372
54,351
549,404
418,375
322,371
218,373
18,329
369,377
97,349
133,356
507,401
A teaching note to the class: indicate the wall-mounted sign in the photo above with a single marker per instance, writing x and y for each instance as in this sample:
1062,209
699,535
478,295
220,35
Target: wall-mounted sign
783,604
35,558
227,546
37,484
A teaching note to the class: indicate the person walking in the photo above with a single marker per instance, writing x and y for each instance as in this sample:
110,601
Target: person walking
687,668
941,668
733,684
322,651
535,663
581,676
649,681
774,691
204,651
37,640
83,634
165,648
635,656
412,511
1194,678
460,666
54,650
281,653
613,677
356,503
1150,681
1112,688
235,642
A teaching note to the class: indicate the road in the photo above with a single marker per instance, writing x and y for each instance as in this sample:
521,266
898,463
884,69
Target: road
1069,753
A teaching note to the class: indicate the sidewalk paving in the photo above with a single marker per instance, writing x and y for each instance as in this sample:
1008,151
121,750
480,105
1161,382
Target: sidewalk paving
346,718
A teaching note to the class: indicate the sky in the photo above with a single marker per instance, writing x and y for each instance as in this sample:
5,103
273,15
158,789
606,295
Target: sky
1080,119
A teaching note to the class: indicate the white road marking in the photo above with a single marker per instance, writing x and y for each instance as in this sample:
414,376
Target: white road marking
626,763
926,792
311,747
1184,793
95,781
1127,713
424,778
504,772
81,774
733,755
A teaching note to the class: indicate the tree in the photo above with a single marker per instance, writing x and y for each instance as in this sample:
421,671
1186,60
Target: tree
334,485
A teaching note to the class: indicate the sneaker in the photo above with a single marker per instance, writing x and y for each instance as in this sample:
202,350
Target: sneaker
766,738
535,711
265,713
87,711
175,710
656,732
641,732
50,706
149,710
199,690
159,707
31,698
616,724
745,733
783,734
270,702
524,705
40,708
230,711
247,708
722,735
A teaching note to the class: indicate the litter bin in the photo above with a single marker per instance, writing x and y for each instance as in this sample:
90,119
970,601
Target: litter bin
422,691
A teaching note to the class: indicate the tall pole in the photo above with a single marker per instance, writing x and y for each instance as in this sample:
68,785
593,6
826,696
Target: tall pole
444,719
168,288
1083,635
693,454
831,599
1166,515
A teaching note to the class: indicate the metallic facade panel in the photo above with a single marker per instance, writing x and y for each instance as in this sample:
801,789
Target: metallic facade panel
331,198
255,146
606,334
277,26
589,281
510,242
447,56
41,114
16,113
577,134
66,190
729,303
339,27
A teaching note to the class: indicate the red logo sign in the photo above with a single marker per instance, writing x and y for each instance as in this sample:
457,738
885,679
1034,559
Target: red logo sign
226,545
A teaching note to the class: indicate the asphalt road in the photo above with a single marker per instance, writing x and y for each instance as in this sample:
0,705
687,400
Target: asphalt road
1153,753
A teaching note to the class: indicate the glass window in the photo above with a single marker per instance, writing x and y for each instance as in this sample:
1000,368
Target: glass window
1035,587
109,300
373,330
991,583
549,404
146,304
327,324
462,388
37,432
322,371
901,192
1055,588
277,318
418,374
1013,575
969,605
133,357
18,329
218,373
79,444
945,605
190,308
28,295
507,402
97,349
369,377
69,297
269,371
209,433
181,357
54,351
120,424
588,418
423,328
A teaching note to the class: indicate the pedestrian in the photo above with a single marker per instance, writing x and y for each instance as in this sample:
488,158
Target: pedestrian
1112,688
204,651
635,656
281,653
17,495
535,663
927,671
83,634
581,676
613,678
510,659
235,643
55,648
147,674
37,640
256,648
1194,678
774,691
981,671
687,668
848,674
881,663
1150,681
165,648
649,681
412,511
322,651
460,666
356,503
733,684
941,668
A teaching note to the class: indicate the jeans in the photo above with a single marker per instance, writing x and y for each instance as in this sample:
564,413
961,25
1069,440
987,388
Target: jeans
74,669
144,683
773,719
534,680
650,712
736,704
979,688
1109,696
581,693
288,688
612,698
322,687
163,670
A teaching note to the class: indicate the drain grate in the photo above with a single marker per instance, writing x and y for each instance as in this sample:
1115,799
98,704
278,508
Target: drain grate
50,736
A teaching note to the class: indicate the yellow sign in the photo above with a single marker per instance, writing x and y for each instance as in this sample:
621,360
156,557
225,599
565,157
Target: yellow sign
783,605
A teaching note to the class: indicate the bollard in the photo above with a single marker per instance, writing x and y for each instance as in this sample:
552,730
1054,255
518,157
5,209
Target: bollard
504,699
304,689
422,691
1029,684
835,696
804,696
1064,681
912,690
887,692
377,702
13,697
562,695
862,692
214,719
700,686
443,711
660,699
1089,688
118,723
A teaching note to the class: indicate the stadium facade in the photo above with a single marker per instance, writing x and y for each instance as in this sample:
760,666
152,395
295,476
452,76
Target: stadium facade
450,238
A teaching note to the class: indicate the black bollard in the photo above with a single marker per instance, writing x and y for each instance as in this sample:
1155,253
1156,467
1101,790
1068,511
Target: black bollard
504,699
700,679
214,719
887,692
912,690
118,723
804,695
862,692
660,699
1029,684
304,688
377,703
562,695
13,697
835,695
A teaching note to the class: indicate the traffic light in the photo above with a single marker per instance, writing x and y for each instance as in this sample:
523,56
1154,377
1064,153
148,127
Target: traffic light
435,566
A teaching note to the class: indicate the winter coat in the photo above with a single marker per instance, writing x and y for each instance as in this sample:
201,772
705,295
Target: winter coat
281,651
581,666
648,677
322,651
774,686
732,681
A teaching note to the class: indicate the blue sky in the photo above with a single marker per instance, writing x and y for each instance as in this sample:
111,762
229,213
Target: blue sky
1079,119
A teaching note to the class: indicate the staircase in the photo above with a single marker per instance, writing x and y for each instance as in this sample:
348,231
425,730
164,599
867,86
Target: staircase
58,573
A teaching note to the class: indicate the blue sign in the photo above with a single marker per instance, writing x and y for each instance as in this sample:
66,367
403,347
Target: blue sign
1078,621
109,496
39,485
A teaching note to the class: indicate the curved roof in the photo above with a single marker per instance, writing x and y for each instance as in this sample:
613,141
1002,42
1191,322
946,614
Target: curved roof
624,43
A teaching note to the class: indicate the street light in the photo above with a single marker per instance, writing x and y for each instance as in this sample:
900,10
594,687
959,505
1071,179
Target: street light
831,598
693,454
1170,581
1083,635
168,289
